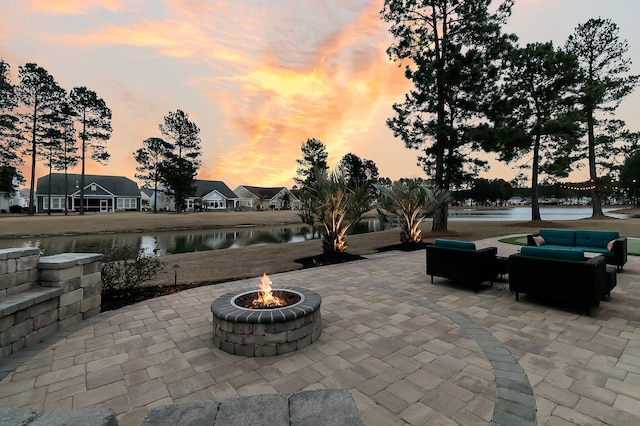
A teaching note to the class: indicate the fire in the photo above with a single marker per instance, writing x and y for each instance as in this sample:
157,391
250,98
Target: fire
266,298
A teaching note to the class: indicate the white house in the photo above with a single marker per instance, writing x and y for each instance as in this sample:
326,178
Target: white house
278,198
211,195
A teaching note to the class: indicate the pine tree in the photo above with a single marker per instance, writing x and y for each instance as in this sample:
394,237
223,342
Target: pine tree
94,119
149,158
10,138
314,160
182,160
40,96
451,50
534,113
605,82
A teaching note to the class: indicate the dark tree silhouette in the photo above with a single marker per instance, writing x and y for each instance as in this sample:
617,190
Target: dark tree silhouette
604,83
40,96
94,119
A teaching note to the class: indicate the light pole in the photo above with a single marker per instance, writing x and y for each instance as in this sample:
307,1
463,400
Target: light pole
635,199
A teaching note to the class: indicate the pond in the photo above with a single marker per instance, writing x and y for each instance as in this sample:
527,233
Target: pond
172,242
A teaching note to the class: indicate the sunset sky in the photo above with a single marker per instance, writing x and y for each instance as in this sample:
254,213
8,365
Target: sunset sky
259,77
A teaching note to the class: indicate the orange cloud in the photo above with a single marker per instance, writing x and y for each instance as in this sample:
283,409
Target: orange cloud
332,98
276,75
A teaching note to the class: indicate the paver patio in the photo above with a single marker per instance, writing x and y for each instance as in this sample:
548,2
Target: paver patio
410,352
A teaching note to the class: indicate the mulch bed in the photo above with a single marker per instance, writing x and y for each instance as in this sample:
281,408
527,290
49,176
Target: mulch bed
327,259
119,299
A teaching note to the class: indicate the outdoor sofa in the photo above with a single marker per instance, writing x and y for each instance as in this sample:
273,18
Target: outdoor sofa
608,243
461,262
561,275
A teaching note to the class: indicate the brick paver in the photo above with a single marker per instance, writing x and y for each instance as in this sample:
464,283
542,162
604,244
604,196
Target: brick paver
409,351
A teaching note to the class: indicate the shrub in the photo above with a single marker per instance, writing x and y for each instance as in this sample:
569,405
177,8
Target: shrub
124,270
15,209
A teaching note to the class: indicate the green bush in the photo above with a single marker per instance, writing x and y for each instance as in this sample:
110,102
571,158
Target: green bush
15,209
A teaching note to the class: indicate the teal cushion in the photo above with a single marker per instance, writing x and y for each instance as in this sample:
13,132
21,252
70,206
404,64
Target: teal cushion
466,245
559,237
551,253
595,238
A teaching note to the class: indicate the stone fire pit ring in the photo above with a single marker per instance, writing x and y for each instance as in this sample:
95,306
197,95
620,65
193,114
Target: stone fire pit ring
266,332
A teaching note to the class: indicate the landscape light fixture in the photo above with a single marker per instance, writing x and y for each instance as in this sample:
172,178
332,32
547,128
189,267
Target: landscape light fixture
175,268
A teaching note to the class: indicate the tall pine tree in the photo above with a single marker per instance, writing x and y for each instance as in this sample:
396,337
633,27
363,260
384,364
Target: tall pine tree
149,158
182,160
605,82
534,113
94,120
451,50
40,96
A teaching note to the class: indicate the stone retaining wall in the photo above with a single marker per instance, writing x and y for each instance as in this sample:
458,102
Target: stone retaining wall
39,295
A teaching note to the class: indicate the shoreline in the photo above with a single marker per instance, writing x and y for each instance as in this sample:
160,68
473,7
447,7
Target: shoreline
19,226
224,265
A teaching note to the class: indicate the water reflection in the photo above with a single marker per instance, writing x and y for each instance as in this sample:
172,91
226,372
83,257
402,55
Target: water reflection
173,242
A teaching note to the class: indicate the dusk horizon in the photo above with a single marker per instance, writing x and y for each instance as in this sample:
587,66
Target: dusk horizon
258,78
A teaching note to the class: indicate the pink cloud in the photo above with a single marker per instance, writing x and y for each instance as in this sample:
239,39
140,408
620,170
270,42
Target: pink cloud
76,7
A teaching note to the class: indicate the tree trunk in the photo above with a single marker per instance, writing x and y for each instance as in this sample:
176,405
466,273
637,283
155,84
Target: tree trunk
596,202
535,206
32,209
49,194
84,137
66,194
440,219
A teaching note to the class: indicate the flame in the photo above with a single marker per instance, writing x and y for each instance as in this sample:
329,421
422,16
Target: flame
266,298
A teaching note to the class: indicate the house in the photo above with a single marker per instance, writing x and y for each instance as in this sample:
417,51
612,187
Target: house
212,195
159,198
145,198
101,193
278,198
8,199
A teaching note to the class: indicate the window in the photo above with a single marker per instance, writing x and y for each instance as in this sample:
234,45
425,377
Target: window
93,187
127,203
57,203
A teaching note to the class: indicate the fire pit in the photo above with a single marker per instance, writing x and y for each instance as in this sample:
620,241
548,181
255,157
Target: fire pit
266,322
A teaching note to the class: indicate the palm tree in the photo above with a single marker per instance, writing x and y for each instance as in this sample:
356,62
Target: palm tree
407,202
337,207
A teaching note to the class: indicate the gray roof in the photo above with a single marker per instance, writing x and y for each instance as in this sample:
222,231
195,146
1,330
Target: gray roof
117,185
204,187
147,191
262,192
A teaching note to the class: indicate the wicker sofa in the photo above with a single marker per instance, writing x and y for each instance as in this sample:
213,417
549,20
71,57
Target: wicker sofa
461,262
608,243
562,275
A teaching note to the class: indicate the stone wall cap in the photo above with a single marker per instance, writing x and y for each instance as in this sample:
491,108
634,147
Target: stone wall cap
316,407
19,301
68,260
14,253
